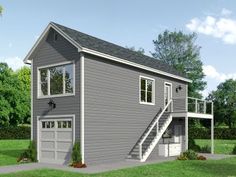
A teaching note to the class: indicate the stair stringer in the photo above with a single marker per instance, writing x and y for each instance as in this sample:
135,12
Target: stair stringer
156,140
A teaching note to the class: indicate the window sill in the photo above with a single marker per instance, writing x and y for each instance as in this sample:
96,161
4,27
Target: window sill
55,96
145,103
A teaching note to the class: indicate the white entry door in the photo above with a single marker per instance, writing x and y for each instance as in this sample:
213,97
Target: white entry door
167,94
55,140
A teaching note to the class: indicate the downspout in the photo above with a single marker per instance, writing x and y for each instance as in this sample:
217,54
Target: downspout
82,105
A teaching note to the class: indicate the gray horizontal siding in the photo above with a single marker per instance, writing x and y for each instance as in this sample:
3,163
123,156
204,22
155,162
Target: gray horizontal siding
51,52
114,119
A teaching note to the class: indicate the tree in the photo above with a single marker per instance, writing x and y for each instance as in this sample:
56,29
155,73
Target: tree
23,76
1,10
180,51
224,99
140,50
14,96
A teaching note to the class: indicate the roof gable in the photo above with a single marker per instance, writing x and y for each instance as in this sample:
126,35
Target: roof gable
87,43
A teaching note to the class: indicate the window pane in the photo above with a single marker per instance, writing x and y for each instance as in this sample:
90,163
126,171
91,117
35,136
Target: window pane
143,84
69,78
149,97
43,75
69,124
59,124
44,88
149,85
143,99
56,80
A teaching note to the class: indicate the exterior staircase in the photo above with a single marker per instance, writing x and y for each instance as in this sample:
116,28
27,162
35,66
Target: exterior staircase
149,139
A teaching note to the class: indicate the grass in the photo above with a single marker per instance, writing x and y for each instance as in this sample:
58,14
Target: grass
221,146
216,168
10,150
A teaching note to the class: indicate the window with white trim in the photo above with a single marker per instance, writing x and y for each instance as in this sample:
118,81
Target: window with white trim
56,80
146,90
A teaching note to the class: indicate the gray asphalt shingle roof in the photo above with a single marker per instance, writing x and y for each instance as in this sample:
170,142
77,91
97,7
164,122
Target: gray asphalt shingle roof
105,47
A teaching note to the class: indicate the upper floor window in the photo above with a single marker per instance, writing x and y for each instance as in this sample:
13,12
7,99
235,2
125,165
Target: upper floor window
56,80
147,90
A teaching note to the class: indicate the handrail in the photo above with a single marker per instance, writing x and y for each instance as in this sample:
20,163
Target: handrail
150,129
196,102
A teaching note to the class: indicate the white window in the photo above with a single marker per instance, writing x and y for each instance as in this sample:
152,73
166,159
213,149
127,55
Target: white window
48,124
56,80
147,90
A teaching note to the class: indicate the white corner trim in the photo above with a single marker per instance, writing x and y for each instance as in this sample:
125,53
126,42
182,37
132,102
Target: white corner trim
153,90
86,50
82,106
31,109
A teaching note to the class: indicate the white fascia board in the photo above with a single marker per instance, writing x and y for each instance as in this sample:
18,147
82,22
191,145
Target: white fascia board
27,59
93,52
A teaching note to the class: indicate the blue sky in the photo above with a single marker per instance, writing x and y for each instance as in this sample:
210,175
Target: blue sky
127,23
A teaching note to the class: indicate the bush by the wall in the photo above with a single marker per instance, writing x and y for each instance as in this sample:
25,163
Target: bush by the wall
30,154
219,133
205,149
234,149
21,132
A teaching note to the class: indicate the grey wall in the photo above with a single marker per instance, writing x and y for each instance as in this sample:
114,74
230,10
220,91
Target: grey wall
114,118
53,52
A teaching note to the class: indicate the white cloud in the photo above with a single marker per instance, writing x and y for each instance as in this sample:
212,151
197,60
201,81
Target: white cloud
13,62
226,12
222,27
212,73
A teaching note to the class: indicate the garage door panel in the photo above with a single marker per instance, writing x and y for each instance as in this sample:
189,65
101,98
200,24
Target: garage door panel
64,135
48,134
63,155
48,144
48,154
64,145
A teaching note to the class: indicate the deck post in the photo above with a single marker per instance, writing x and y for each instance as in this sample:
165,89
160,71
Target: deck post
212,135
186,132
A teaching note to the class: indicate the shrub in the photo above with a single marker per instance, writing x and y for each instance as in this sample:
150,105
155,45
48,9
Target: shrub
201,157
190,154
192,145
205,149
30,154
76,155
219,133
182,157
234,149
21,132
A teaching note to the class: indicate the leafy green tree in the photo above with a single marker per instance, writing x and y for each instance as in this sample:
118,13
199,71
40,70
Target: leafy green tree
140,50
14,97
180,51
1,10
23,76
224,99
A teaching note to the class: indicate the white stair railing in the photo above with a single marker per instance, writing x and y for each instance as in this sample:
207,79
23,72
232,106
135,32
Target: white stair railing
156,123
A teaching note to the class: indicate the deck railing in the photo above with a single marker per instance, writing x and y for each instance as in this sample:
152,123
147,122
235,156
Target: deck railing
193,105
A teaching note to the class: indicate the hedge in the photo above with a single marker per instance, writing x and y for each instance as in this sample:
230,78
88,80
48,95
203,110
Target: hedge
219,133
15,132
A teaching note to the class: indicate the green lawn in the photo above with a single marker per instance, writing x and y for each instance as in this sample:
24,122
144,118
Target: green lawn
207,168
10,150
221,146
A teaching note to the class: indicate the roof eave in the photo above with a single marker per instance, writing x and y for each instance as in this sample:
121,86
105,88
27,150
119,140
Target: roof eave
28,58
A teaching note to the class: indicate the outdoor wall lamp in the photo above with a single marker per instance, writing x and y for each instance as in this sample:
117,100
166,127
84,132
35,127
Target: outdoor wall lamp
178,88
52,104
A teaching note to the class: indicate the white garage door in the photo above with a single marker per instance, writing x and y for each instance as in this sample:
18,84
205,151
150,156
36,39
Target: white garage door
55,140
